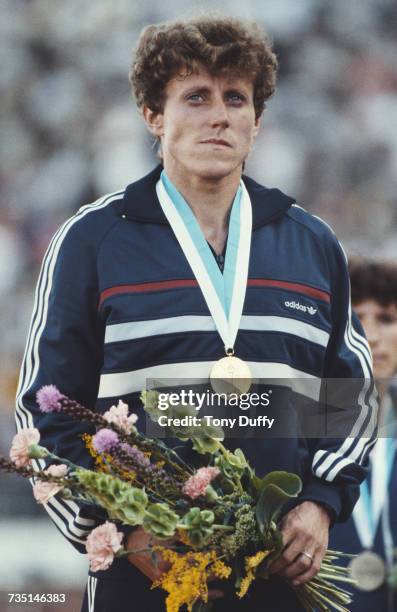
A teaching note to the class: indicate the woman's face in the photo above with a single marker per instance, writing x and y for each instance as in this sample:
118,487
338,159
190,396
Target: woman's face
380,326
207,126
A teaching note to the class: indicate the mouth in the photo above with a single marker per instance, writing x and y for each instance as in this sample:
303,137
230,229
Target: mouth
216,141
378,358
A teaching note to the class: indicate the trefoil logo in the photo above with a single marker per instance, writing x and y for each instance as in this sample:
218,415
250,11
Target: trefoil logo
301,307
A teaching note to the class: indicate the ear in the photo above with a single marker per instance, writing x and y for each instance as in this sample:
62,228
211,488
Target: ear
154,121
256,128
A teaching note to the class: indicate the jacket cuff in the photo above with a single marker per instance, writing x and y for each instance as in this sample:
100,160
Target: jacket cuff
325,493
339,500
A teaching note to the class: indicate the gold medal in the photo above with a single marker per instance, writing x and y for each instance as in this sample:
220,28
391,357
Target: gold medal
369,571
231,375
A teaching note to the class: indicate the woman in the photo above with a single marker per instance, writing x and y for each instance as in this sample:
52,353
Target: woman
371,531
188,265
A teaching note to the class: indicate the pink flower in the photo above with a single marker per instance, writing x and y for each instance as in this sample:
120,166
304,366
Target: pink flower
44,490
197,484
19,451
119,416
102,544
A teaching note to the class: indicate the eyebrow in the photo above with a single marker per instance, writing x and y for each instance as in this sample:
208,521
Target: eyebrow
198,89
206,90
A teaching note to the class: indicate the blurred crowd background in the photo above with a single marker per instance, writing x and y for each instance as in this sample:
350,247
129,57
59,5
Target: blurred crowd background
70,133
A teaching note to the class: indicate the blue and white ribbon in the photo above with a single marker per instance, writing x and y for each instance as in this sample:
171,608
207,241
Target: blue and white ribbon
224,294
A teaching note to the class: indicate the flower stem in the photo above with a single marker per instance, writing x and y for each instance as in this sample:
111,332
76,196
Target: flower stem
136,551
218,527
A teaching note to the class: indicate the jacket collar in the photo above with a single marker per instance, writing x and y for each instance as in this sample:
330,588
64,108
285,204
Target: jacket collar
140,201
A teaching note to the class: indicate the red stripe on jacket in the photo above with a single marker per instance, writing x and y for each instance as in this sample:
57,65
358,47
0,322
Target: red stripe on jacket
186,283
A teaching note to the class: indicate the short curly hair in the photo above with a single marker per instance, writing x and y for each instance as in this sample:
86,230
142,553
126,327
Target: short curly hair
221,44
373,280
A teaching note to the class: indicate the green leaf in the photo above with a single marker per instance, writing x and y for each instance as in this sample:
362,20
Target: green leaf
287,481
208,440
273,541
203,445
149,399
199,525
213,431
239,571
231,464
160,521
276,489
256,483
269,505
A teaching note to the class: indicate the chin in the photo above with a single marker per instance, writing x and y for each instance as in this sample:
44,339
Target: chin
216,169
382,374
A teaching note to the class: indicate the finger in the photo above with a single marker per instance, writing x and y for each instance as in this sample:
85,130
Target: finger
288,556
147,568
300,565
310,573
288,531
278,565
153,570
284,559
215,594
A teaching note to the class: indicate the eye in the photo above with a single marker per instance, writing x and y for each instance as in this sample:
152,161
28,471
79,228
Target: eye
195,97
387,319
235,96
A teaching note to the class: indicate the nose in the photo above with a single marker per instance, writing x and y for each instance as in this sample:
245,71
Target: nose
220,115
372,332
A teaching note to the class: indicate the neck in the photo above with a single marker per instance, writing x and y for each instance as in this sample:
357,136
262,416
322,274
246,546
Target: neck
210,200
387,411
382,387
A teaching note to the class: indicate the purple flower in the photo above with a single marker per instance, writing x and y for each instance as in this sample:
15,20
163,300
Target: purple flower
105,440
48,398
126,448
137,455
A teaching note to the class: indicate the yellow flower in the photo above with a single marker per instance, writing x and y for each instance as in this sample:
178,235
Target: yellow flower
255,560
251,563
220,569
184,537
186,580
127,475
101,461
245,585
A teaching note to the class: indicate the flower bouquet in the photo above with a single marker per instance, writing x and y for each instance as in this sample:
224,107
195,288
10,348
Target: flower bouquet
219,520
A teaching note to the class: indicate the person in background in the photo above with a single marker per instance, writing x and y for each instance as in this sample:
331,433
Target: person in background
371,531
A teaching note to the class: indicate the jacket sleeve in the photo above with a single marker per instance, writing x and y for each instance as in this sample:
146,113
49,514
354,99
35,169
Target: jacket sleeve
64,348
339,464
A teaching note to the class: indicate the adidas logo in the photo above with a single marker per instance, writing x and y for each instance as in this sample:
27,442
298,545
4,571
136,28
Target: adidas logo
301,307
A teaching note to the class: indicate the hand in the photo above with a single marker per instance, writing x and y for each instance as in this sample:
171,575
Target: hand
305,528
139,539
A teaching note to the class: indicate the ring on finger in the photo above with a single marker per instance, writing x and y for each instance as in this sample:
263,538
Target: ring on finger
308,555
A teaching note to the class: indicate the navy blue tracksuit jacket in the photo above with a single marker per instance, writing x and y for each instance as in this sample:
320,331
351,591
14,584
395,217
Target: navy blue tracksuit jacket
117,303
